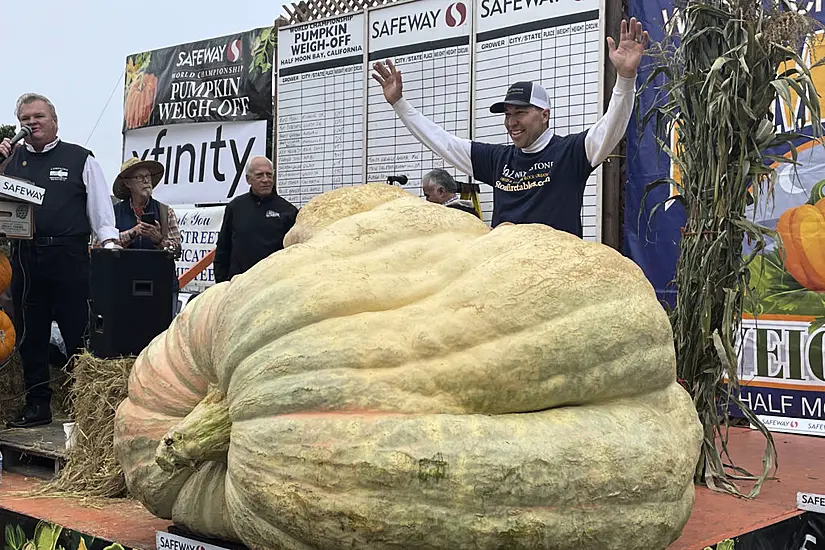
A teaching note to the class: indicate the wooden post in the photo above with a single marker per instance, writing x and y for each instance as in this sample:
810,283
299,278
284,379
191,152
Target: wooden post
613,169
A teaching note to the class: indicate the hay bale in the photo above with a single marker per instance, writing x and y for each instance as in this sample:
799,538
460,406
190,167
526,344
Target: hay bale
11,388
98,387
12,393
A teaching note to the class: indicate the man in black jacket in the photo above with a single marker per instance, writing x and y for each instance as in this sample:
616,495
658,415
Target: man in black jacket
254,224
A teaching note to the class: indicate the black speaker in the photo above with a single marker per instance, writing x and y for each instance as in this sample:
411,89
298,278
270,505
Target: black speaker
131,299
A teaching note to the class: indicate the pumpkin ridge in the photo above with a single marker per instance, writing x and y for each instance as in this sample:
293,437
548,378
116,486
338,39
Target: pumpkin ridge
286,333
268,334
259,386
207,485
248,523
386,395
182,364
249,347
306,473
151,389
152,379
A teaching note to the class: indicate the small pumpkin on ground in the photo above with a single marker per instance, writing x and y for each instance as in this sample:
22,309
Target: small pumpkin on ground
5,273
405,377
7,336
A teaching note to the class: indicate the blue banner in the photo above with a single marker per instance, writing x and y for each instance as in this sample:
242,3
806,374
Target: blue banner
784,401
653,243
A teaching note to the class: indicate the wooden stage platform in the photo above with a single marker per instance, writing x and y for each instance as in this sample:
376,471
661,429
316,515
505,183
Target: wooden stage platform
715,516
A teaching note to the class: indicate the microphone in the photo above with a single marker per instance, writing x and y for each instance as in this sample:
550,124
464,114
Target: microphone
401,180
25,131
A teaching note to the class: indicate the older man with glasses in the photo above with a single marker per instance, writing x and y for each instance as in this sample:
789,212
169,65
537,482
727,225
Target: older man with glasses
440,187
254,224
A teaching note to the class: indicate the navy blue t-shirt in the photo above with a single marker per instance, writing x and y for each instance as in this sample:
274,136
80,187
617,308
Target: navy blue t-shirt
545,187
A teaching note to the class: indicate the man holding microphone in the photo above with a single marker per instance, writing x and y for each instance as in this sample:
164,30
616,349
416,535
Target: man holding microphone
50,273
541,177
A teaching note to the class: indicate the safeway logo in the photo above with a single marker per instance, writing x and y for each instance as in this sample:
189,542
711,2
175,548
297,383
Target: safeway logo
167,541
794,424
456,14
234,50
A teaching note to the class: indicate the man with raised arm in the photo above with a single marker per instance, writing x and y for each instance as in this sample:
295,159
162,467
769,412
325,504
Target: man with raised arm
541,177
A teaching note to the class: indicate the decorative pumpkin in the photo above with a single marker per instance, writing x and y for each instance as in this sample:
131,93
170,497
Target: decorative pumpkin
140,100
802,230
7,336
5,273
405,377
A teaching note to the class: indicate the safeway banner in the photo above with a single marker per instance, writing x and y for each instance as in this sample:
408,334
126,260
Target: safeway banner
204,163
220,79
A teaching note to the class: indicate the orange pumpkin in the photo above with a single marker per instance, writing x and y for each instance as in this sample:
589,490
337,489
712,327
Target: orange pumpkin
803,235
7,336
5,273
140,100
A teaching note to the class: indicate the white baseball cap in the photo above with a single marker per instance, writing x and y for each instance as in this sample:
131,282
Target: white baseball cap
523,94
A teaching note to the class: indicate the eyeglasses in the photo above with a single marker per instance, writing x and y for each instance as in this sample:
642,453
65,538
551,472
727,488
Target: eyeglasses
144,177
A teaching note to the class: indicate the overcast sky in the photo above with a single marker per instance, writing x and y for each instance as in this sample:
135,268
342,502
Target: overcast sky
75,54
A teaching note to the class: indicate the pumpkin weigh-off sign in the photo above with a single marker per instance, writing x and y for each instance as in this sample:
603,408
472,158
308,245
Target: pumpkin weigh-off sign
228,78
385,381
201,110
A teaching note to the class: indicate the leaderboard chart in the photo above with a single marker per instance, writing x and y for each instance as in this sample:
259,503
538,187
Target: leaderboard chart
556,44
457,58
429,42
320,86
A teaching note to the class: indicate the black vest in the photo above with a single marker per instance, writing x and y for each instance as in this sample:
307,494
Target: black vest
125,219
60,172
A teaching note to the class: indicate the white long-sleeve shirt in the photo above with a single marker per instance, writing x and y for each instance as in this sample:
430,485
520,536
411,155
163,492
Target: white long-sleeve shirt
601,138
542,183
99,201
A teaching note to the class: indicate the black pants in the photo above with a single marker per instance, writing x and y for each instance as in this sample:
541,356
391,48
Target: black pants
54,280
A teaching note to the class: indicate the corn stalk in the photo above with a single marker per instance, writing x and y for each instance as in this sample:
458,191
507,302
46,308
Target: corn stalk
716,82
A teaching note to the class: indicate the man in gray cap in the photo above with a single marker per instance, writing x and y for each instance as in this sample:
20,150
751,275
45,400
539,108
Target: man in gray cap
541,177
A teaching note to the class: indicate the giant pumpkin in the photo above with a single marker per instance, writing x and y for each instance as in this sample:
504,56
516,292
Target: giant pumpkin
401,376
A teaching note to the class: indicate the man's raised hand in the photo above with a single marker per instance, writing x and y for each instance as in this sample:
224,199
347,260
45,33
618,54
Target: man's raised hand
390,79
628,54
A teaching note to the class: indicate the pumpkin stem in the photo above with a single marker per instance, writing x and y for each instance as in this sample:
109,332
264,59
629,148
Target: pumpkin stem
200,437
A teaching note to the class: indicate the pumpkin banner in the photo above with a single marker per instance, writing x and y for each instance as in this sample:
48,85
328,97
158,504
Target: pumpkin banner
219,79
